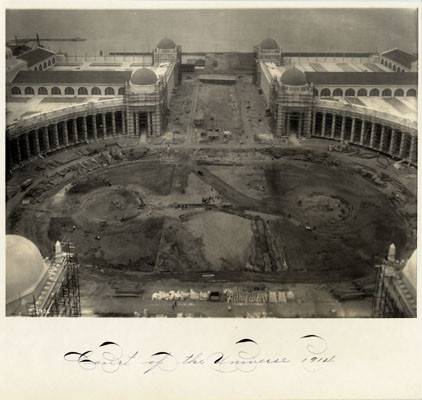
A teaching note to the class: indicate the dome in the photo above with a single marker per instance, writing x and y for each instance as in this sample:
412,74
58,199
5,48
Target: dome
166,44
143,76
293,77
409,271
25,267
269,44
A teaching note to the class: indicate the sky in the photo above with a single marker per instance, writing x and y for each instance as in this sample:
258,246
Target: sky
221,29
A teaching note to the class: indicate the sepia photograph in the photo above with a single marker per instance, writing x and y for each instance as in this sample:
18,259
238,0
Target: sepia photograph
211,163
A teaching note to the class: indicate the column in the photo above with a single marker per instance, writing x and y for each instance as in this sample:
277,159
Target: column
136,123
103,116
113,123
324,119
27,147
66,134
124,130
156,123
372,139
149,124
393,140
37,143
288,124
307,123
412,153
46,141
333,126
75,131
94,126
382,140
352,133
343,127
130,123
402,144
56,135
314,124
299,126
85,129
362,132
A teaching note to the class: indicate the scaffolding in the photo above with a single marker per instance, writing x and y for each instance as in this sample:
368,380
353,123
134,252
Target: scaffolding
392,299
152,103
61,296
291,109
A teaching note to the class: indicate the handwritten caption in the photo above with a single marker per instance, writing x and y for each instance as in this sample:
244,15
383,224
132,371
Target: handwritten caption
245,356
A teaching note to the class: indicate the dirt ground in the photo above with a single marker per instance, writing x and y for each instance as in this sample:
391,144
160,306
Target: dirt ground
240,216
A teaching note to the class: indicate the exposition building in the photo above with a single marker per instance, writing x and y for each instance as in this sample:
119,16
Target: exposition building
99,101
369,100
366,99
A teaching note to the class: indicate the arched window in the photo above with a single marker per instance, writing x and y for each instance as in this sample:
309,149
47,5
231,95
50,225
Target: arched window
40,67
121,91
42,90
35,69
54,60
399,93
316,92
338,92
96,91
16,90
386,93
56,91
325,93
69,91
350,93
411,93
374,92
382,61
362,93
390,66
29,90
109,91
82,91
394,67
45,65
49,62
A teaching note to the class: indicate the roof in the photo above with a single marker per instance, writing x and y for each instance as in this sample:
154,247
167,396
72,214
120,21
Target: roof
143,76
400,57
293,77
362,78
73,77
35,56
166,44
269,44
25,267
324,54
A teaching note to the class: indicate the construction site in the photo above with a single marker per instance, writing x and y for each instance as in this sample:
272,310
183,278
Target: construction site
220,221
215,198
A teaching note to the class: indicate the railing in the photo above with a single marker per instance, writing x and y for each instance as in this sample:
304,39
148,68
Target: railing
45,116
329,104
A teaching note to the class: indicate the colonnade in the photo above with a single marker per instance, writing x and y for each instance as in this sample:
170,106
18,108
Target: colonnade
376,135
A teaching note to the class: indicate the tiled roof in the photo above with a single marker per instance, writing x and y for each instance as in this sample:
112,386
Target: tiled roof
400,57
35,56
362,78
305,54
73,77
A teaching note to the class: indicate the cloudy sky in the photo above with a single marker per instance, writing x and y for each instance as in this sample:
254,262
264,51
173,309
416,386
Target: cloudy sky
221,30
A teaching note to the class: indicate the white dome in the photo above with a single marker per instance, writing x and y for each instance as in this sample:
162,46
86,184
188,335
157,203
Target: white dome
25,267
409,271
